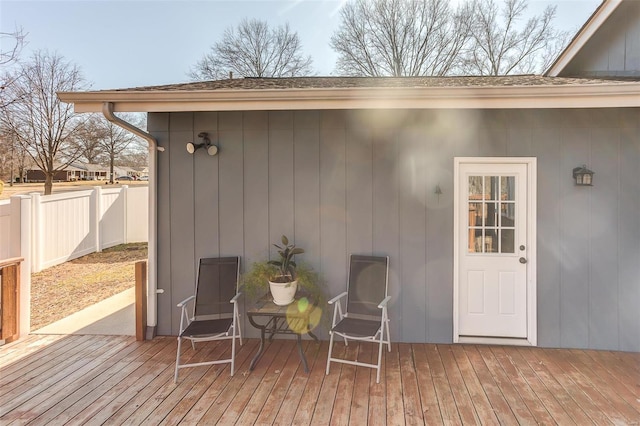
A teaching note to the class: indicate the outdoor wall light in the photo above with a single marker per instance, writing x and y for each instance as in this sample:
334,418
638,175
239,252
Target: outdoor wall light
206,143
583,176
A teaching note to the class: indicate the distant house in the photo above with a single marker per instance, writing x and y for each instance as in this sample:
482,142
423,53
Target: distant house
95,172
467,183
69,174
73,172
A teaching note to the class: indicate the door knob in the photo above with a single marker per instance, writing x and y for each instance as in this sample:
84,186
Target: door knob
523,260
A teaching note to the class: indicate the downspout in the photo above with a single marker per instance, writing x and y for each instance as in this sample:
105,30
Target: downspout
152,286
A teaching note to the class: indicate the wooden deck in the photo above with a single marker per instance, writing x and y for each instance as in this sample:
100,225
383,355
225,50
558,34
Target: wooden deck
56,380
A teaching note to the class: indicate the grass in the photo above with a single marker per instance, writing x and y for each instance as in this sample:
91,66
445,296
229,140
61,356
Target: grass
27,188
62,290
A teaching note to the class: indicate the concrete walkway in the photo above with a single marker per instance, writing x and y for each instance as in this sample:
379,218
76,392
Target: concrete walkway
113,316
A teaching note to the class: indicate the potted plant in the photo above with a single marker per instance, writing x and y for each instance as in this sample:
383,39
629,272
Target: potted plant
282,277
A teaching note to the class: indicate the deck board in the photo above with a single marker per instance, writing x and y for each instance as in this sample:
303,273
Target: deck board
461,395
520,384
491,388
344,393
116,380
446,401
544,394
360,398
479,399
118,371
294,395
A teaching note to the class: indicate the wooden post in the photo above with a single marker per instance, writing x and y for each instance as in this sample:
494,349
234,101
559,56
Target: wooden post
10,282
141,299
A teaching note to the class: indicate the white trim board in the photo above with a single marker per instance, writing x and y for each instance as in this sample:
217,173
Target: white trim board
601,95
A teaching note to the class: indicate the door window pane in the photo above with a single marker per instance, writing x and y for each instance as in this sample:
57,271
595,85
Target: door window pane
508,188
475,214
491,241
508,214
475,241
507,239
492,187
475,187
492,214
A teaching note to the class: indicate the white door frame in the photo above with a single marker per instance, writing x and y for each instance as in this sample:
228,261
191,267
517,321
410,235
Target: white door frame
532,325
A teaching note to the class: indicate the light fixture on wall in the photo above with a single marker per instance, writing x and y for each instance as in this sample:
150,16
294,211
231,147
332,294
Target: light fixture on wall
206,143
583,176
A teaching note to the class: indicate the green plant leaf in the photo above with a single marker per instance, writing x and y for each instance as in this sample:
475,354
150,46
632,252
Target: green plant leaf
285,240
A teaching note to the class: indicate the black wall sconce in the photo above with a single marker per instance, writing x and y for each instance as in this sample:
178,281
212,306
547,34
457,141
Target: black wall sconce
206,143
583,176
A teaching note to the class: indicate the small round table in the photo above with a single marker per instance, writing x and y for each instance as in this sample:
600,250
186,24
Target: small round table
294,318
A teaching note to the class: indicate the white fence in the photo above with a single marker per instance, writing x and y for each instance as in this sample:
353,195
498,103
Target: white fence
72,224
52,229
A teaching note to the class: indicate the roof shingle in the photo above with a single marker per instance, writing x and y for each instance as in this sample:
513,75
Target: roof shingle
252,83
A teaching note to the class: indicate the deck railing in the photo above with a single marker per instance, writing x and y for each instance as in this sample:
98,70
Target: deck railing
10,299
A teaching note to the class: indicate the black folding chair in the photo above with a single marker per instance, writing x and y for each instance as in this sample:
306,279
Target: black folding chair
365,317
215,311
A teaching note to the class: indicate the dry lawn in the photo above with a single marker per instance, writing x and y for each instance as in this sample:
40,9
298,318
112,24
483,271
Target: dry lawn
59,291
58,187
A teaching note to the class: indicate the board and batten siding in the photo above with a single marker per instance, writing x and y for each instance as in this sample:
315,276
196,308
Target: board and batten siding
364,182
615,49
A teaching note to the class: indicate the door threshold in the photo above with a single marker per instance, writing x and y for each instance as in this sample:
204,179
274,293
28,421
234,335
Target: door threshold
508,341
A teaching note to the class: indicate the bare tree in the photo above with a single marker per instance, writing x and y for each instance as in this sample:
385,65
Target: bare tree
15,42
12,43
115,140
252,49
88,139
400,37
12,158
44,126
503,44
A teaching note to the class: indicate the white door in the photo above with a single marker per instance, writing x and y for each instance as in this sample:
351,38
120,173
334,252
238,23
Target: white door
493,208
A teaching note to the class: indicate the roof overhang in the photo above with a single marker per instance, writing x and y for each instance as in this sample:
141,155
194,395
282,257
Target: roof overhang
602,95
585,33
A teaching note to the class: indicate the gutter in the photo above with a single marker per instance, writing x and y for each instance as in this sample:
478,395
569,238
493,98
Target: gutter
152,284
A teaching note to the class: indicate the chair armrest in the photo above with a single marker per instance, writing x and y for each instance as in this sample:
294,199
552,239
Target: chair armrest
338,297
235,298
383,304
185,301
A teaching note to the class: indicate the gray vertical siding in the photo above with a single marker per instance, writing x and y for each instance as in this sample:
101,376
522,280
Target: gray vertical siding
615,49
341,182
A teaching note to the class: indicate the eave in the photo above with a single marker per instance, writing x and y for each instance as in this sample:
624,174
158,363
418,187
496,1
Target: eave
604,95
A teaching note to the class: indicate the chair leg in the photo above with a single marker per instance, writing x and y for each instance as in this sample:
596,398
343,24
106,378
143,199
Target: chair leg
175,376
379,359
330,349
233,351
239,329
386,323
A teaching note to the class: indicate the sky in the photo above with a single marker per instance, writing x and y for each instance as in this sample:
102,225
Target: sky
132,43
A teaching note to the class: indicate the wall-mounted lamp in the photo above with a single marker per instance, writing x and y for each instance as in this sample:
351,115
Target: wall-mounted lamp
206,143
583,176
